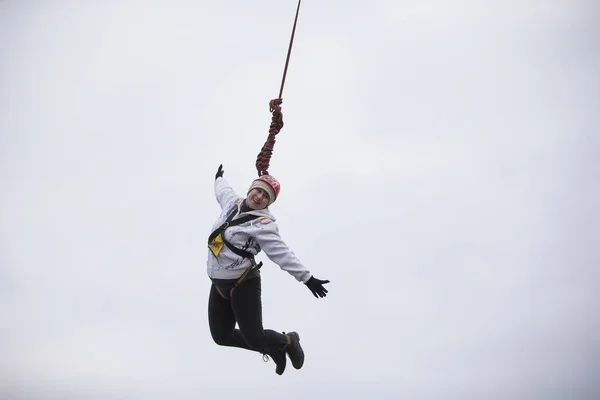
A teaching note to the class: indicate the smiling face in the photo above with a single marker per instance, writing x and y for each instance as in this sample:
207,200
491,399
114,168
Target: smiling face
257,199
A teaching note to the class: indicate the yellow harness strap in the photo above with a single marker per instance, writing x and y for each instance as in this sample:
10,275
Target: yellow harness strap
221,293
236,284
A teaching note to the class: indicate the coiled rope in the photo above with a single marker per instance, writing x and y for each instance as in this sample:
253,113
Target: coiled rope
264,157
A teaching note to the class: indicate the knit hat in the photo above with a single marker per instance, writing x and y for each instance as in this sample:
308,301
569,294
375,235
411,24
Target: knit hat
269,184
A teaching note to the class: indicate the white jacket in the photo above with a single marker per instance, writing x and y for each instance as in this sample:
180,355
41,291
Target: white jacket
253,236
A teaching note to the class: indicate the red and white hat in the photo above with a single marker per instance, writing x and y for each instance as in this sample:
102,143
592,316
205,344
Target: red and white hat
269,184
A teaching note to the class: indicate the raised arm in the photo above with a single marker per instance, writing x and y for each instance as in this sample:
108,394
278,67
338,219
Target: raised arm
223,192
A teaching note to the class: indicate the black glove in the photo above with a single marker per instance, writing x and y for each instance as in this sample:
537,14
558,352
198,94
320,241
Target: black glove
219,172
316,287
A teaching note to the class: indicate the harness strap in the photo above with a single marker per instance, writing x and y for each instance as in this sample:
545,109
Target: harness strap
236,283
228,222
239,252
242,253
242,278
221,293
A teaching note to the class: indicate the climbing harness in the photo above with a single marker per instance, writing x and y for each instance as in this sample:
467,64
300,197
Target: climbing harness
225,286
217,240
264,157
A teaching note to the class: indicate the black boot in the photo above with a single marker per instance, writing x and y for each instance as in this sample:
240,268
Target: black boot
294,350
279,359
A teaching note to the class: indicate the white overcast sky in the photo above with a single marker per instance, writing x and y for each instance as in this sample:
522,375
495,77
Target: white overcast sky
439,164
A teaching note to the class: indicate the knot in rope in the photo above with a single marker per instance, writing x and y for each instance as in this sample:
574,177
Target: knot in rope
264,157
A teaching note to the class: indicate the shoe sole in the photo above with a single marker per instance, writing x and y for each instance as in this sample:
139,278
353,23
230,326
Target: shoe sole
297,338
277,367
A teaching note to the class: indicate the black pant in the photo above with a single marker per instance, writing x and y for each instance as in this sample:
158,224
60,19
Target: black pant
245,308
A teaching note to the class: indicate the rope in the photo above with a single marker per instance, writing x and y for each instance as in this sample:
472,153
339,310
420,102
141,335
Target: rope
264,157
287,60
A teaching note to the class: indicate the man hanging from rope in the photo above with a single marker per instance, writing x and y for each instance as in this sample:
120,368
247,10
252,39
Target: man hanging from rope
244,228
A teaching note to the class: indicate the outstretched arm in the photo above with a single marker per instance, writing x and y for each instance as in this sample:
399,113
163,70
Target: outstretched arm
275,248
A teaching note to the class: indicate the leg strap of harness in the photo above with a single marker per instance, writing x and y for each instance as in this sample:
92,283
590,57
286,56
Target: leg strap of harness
220,292
238,282
245,274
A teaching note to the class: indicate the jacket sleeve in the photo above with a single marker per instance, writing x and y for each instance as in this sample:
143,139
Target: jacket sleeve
224,193
275,248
